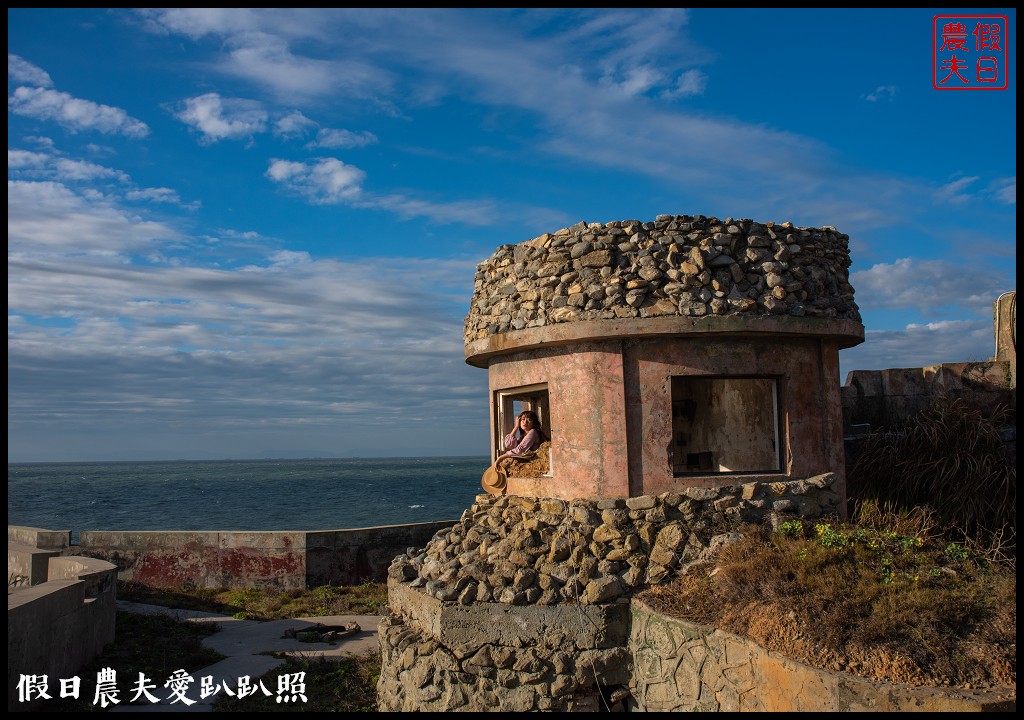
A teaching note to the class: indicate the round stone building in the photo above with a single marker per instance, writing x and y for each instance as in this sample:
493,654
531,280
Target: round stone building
686,374
688,351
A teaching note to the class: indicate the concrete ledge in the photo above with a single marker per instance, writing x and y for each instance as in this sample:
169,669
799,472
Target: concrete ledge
478,352
563,627
27,565
38,537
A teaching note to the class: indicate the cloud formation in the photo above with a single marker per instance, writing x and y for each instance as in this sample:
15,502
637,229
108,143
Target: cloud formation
22,71
882,92
929,286
218,118
331,138
102,330
325,181
920,345
74,114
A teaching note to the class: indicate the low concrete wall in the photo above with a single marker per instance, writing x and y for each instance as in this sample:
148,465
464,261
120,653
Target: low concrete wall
38,537
882,397
235,559
55,627
682,667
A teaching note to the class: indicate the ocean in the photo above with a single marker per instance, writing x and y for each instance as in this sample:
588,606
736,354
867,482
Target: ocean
326,494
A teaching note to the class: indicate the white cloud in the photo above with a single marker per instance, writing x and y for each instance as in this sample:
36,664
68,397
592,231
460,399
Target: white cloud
21,159
220,118
325,181
1005,190
691,82
329,181
330,138
882,92
266,60
158,195
74,114
921,345
80,170
25,163
927,286
101,339
24,72
293,125
636,80
469,212
256,41
954,192
44,218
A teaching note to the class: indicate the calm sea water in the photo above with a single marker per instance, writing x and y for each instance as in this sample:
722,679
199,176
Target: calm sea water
241,494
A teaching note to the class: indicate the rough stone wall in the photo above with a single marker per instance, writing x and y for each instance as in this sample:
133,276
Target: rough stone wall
526,604
683,667
481,617
691,266
542,551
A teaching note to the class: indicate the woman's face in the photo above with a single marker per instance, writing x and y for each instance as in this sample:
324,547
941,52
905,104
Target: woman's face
526,422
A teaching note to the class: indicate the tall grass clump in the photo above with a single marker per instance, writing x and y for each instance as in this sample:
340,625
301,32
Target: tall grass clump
951,458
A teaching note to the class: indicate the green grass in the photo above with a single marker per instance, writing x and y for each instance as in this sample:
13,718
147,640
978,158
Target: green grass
266,603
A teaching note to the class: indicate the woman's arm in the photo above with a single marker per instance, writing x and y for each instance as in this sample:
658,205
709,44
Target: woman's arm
531,441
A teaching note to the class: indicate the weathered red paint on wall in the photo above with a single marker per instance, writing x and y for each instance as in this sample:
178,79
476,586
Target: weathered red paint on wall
611,404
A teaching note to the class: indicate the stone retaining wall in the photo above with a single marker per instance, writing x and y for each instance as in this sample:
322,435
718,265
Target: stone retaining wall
523,604
678,265
678,666
543,551
526,604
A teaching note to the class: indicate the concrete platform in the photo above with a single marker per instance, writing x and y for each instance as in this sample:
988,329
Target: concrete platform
249,646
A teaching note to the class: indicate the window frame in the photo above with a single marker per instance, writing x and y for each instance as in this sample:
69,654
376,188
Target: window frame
535,397
775,435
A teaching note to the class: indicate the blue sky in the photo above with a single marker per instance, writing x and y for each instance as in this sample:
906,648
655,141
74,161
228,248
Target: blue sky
252,233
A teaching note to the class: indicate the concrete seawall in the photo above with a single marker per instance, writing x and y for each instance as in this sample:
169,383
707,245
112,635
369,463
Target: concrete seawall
286,559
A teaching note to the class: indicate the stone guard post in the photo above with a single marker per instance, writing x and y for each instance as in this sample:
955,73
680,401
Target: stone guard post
687,373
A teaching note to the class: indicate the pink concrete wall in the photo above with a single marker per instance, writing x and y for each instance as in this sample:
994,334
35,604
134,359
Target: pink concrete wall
810,414
585,388
611,408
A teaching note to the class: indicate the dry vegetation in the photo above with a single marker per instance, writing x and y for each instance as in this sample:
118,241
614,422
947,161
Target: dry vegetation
923,591
892,602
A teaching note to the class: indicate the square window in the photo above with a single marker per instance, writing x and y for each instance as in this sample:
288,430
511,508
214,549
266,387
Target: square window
725,425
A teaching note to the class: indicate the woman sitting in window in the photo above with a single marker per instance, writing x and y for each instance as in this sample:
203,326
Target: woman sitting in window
524,438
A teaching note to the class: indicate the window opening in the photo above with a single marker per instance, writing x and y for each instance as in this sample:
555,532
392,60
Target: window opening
725,425
509,404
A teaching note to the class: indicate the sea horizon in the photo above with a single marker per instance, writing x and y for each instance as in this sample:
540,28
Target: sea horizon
283,458
242,495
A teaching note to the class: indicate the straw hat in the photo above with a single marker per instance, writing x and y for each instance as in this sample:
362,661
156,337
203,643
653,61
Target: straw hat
493,480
